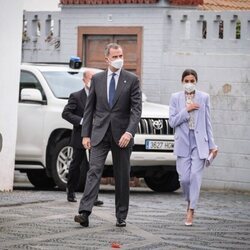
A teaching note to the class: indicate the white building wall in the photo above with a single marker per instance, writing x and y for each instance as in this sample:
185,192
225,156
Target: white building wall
172,42
10,50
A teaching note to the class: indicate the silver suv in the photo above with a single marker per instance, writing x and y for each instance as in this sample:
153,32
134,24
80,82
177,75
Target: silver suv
42,148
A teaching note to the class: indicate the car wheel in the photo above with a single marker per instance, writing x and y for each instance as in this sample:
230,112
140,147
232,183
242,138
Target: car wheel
60,161
169,182
39,179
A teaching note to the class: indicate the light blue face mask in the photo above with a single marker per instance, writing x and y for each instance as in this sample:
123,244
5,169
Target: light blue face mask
189,87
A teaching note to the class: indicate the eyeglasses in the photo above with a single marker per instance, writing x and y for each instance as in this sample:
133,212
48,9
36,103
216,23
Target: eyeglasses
192,81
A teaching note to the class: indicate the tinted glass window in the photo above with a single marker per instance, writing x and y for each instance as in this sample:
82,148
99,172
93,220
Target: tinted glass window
28,80
63,83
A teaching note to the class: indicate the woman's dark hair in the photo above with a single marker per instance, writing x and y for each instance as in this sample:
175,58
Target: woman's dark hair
188,72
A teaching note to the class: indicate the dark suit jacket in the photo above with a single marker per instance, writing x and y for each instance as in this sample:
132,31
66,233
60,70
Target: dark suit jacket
73,113
123,116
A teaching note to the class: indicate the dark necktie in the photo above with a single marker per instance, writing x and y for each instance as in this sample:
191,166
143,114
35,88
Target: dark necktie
112,90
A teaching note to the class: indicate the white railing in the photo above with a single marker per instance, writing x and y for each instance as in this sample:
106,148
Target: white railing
208,30
41,31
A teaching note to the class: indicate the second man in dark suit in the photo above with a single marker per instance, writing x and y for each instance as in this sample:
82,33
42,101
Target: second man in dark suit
73,113
111,117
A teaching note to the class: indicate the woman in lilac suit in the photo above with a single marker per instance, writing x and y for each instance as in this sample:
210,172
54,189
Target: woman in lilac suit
194,142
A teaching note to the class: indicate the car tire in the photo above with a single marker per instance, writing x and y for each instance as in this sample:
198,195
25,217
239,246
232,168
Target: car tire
40,179
61,157
169,182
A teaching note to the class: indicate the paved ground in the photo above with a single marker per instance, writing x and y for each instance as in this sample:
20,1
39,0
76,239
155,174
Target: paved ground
32,219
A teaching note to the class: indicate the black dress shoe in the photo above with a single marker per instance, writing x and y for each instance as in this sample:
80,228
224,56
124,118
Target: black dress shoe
71,197
83,219
98,203
121,223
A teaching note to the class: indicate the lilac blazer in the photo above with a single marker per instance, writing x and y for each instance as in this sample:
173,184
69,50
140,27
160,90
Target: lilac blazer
179,121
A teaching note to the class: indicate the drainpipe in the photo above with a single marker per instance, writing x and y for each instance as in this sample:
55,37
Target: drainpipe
1,142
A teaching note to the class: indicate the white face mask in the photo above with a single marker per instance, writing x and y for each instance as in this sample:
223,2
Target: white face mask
189,87
117,64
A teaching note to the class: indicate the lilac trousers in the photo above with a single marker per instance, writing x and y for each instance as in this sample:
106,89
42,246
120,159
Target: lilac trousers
190,170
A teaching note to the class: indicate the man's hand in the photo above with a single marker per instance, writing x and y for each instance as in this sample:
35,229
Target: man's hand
192,106
125,139
86,142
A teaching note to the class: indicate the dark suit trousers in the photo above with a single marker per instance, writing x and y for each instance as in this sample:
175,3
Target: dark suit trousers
79,157
121,166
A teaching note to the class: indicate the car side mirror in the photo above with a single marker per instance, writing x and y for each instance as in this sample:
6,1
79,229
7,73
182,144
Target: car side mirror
34,95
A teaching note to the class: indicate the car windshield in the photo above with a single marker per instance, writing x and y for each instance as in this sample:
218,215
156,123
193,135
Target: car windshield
63,83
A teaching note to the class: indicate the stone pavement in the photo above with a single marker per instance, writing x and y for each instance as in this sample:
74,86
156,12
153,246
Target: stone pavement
33,219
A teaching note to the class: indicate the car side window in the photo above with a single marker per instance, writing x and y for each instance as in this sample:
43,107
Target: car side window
29,80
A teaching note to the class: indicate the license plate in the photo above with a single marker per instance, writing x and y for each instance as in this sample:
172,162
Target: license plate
159,145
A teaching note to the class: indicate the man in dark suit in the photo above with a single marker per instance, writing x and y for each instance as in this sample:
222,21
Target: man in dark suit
111,117
73,113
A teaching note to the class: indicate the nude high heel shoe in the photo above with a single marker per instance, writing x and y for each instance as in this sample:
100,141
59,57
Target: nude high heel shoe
190,215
